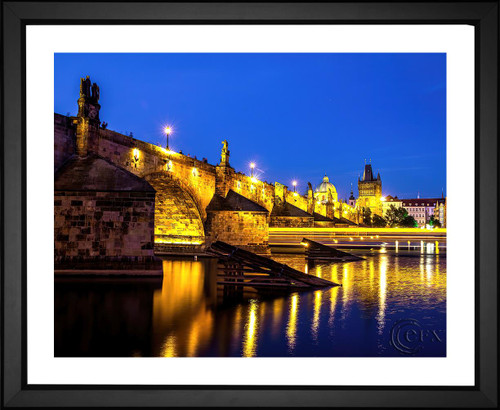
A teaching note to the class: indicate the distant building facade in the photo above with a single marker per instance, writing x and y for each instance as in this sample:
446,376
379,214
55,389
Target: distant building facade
422,209
370,191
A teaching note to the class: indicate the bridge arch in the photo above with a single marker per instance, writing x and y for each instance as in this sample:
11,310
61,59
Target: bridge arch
178,212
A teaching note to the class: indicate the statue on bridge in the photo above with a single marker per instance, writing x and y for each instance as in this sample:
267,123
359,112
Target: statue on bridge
85,87
224,155
89,90
95,92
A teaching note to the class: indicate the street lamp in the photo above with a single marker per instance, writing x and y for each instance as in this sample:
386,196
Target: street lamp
252,166
294,183
167,131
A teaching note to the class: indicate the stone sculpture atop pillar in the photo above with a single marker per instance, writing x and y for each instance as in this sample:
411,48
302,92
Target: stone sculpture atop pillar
224,155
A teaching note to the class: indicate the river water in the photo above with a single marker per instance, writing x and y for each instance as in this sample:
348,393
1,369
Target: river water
390,304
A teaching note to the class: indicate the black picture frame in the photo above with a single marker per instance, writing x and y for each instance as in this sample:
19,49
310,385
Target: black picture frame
484,16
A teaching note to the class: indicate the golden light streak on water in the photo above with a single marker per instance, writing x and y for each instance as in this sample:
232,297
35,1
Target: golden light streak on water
428,271
437,247
169,348
422,267
346,286
382,294
397,245
251,327
318,295
200,331
182,296
291,328
333,303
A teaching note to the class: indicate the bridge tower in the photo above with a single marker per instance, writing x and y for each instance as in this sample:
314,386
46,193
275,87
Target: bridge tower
370,191
87,121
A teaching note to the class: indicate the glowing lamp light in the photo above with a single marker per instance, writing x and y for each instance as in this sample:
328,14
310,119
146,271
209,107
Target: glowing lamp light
136,154
252,166
382,199
254,180
168,131
195,172
304,244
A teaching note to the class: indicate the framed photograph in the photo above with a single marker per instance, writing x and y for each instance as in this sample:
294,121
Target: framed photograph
253,204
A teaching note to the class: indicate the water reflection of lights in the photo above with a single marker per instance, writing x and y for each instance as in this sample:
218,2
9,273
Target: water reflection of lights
346,286
428,271
333,303
429,247
187,325
180,298
316,314
382,294
250,338
397,244
291,328
169,347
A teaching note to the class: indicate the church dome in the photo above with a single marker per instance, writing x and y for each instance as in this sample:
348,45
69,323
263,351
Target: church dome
326,186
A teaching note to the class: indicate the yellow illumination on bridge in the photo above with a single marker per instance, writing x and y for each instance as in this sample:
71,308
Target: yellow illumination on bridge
195,172
136,154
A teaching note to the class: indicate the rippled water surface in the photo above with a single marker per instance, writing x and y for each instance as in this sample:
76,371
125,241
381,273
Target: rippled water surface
187,314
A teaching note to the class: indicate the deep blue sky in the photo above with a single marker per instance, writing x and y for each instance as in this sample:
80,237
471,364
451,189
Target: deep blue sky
298,116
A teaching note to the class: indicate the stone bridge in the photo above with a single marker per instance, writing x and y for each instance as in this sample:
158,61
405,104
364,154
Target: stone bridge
195,201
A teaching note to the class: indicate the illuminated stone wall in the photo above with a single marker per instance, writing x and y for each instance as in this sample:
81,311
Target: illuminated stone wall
64,139
177,217
246,229
257,191
292,222
297,200
103,228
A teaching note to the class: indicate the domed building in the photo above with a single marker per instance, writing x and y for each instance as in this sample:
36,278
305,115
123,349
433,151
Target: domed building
321,192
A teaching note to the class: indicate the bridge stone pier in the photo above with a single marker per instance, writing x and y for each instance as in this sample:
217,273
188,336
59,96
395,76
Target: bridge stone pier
194,203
